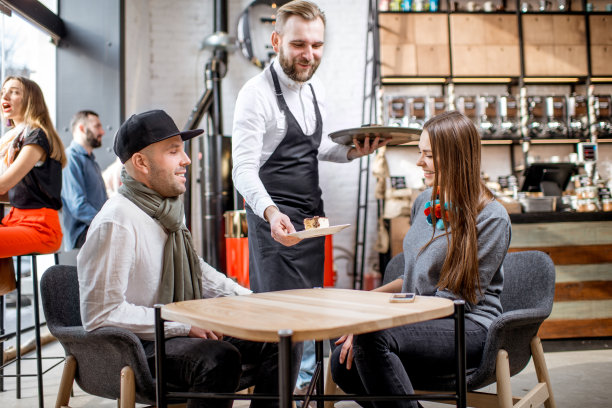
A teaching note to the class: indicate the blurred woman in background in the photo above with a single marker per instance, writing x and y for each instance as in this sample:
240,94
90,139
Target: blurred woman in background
33,157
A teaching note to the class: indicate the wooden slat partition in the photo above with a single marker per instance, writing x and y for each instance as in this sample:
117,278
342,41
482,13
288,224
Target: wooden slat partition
581,307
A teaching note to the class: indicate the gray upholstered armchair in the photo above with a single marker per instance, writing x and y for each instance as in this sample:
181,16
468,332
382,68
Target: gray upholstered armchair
107,362
527,299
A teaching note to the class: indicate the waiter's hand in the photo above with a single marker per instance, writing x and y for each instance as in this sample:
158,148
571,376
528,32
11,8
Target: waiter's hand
280,226
346,354
205,333
365,148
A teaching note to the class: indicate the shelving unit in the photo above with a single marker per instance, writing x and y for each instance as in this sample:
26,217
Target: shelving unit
520,52
511,48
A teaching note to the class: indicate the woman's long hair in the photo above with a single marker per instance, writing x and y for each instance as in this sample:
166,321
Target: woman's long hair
36,115
455,146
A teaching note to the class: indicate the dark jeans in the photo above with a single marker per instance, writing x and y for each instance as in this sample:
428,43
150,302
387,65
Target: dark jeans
199,365
392,361
81,238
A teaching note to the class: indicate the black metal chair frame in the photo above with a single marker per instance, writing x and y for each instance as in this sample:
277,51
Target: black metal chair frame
286,387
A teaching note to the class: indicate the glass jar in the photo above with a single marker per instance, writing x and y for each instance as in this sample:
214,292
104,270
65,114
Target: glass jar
587,205
587,192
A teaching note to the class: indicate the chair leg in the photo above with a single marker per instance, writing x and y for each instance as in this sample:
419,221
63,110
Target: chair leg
18,331
65,388
541,370
128,388
330,386
502,372
39,372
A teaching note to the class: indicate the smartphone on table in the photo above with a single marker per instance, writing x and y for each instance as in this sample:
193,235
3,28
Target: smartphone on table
402,297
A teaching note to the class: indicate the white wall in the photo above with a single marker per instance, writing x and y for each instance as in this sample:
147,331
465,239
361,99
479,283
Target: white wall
164,69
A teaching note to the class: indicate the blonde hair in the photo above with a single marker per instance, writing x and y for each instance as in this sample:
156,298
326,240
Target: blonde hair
455,146
302,8
36,115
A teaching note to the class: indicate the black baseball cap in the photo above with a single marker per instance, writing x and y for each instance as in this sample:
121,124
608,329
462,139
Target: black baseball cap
146,128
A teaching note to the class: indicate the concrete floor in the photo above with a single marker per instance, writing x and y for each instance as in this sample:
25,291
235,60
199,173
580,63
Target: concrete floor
581,375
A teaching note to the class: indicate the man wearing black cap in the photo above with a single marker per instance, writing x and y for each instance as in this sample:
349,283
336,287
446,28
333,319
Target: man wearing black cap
138,253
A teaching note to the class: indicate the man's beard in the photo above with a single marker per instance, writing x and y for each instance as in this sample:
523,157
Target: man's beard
92,139
290,70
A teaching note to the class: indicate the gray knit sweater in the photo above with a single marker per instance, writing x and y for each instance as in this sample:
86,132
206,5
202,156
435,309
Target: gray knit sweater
422,271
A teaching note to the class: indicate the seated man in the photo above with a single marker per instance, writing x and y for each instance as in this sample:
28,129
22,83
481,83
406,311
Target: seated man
138,253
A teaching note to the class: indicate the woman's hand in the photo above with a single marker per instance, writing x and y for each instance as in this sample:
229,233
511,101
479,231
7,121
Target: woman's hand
346,354
25,161
205,333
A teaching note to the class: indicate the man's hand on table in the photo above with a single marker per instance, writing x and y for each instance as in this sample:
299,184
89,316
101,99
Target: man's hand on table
346,354
280,226
205,333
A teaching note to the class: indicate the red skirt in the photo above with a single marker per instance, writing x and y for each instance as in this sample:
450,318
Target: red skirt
30,231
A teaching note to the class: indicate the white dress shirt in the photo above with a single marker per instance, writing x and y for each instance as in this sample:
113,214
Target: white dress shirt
120,269
260,126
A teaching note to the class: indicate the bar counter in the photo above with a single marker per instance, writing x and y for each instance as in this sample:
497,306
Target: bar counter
560,216
580,245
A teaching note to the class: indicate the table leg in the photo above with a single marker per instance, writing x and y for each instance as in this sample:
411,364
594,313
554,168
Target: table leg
321,377
285,385
460,353
160,357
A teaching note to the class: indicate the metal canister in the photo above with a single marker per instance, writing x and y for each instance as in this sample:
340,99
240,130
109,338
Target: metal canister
236,224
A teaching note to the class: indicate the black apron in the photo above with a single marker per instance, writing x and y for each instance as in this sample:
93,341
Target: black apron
291,178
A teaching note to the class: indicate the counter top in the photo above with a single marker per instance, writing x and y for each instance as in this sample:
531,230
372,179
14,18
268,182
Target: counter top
560,216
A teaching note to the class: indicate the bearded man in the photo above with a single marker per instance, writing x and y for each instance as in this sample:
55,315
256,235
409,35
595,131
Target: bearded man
83,190
278,139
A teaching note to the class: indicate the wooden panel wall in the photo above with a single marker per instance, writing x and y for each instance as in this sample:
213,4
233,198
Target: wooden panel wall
485,45
554,45
414,44
601,44
583,289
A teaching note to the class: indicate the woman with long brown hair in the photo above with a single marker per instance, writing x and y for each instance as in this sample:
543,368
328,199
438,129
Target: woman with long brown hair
33,157
455,247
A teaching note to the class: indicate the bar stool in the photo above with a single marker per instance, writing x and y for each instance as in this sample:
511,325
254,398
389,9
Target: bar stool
36,306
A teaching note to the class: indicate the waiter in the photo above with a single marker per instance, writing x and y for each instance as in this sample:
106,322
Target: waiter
277,140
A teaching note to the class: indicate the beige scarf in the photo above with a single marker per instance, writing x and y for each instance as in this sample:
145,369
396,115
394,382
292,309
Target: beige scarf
181,274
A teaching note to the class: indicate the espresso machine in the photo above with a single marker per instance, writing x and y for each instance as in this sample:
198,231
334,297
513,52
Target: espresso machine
509,117
577,116
488,120
556,113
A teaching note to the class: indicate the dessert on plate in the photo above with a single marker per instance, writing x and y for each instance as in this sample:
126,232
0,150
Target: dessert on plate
316,222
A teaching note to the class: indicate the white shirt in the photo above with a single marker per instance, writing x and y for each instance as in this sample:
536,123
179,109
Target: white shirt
120,268
260,126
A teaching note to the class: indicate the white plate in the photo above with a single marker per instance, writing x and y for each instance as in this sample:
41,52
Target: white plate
319,232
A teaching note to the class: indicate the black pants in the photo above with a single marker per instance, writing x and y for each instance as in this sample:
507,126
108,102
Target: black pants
199,365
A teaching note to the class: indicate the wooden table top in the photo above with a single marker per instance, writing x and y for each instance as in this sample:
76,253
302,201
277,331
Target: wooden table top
312,314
